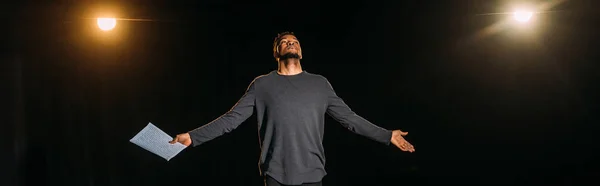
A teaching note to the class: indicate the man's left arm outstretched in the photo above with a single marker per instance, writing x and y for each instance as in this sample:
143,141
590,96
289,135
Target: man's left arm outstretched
341,112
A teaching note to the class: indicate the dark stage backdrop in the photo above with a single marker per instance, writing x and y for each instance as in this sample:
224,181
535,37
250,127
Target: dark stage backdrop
511,107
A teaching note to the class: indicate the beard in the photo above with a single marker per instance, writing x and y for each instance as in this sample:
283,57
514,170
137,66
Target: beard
289,56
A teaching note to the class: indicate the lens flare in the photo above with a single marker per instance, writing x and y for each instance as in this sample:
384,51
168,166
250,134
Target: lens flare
523,16
107,24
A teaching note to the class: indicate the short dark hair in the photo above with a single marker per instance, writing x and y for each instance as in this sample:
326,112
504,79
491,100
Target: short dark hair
277,40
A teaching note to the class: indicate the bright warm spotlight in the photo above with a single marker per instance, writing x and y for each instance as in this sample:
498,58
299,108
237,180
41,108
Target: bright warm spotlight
522,16
107,24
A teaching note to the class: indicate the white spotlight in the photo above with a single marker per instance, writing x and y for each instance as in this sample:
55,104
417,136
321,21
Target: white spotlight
522,16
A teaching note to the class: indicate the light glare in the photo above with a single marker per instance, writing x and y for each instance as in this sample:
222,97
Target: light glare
523,16
107,24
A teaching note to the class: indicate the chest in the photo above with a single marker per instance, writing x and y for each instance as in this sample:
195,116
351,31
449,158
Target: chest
290,94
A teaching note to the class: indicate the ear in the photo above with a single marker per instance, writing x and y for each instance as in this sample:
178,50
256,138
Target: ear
276,53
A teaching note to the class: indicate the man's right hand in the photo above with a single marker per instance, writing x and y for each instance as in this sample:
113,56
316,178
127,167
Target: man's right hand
183,139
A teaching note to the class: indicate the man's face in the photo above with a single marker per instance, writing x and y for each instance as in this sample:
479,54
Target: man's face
290,47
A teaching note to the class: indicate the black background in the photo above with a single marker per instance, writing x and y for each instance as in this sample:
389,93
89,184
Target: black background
508,106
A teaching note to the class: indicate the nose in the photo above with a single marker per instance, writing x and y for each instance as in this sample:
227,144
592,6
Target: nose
292,44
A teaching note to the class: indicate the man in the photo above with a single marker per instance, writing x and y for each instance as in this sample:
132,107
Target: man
291,104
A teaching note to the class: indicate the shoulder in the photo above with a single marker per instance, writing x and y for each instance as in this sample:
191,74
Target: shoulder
320,79
317,76
262,77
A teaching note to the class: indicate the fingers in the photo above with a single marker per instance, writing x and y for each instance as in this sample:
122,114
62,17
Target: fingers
404,145
174,140
409,147
399,132
182,138
400,143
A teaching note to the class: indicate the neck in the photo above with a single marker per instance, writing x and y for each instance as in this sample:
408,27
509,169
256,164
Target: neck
289,67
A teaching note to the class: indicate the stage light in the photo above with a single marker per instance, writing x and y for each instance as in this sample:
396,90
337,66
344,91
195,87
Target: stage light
522,16
107,24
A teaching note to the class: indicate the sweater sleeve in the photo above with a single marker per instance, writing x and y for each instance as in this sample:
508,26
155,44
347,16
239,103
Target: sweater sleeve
337,109
241,111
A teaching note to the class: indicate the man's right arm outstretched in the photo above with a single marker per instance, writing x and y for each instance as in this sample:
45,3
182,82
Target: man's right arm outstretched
241,111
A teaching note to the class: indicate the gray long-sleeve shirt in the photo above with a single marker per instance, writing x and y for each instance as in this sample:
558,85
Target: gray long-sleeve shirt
291,117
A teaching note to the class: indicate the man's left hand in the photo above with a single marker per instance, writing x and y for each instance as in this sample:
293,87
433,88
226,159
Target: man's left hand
400,142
